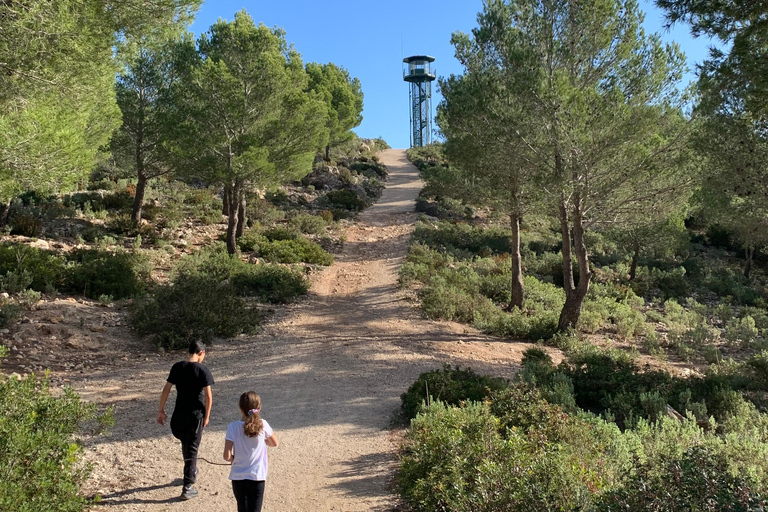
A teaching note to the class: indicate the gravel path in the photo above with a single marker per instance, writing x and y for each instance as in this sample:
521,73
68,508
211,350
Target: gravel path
330,371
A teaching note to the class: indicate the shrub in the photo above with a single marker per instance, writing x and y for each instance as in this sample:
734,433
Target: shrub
271,283
192,308
310,224
450,386
26,225
41,465
281,233
741,330
119,200
343,199
44,269
370,169
98,272
519,453
699,480
9,311
295,251
461,239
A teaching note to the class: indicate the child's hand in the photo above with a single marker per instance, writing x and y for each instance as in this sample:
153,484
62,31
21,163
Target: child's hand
161,417
205,422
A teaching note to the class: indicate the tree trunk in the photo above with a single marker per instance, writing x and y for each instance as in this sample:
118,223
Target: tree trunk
6,211
233,218
633,267
225,207
518,289
138,199
241,218
749,253
574,295
327,152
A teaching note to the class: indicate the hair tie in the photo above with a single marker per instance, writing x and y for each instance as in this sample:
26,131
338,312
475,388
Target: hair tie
252,412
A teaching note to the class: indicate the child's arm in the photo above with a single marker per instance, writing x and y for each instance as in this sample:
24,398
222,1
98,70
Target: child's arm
229,450
161,417
271,441
208,404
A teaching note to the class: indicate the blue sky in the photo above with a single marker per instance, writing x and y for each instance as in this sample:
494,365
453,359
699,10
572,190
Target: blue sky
369,39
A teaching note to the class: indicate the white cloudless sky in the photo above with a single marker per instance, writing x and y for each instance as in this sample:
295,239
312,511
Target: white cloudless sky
370,39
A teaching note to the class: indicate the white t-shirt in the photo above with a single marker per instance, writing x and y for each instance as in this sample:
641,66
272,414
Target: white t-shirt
250,452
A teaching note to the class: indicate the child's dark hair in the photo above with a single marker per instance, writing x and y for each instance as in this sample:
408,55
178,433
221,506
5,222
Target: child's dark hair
250,404
196,347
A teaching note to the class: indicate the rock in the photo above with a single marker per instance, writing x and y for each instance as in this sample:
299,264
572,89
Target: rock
4,295
56,319
40,244
82,343
97,328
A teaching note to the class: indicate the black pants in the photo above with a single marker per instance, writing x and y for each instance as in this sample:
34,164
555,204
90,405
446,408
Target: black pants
189,430
249,495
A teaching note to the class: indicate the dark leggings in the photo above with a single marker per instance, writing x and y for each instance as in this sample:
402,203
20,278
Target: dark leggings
249,495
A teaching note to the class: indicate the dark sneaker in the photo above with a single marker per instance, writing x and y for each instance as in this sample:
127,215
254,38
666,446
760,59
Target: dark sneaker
187,493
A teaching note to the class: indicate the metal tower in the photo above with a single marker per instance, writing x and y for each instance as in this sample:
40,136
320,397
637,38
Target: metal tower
420,76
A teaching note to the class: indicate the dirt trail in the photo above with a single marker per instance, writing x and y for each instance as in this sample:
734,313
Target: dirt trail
330,371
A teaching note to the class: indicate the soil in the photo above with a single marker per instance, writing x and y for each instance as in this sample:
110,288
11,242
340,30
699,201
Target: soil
330,370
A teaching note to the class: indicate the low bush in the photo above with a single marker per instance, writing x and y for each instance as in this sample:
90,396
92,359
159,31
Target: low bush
444,208
9,311
26,225
343,199
284,245
44,269
41,459
700,479
120,200
269,283
295,251
370,169
462,240
98,272
450,386
277,284
518,451
193,307
309,224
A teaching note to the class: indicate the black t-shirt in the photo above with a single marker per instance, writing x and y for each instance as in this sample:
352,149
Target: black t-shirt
190,379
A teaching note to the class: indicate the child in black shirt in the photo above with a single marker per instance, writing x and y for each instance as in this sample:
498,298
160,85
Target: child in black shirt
192,412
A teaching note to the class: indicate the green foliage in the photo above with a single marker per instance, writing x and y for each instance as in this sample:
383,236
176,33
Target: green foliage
343,199
518,453
301,250
9,311
26,225
462,240
450,386
342,95
277,284
99,272
193,307
284,245
309,224
270,283
41,458
699,480
44,269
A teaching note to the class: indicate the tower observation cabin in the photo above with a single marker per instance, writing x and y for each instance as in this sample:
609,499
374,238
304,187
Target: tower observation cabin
419,75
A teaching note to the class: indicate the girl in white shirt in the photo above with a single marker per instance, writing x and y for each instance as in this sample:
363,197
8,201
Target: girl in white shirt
246,448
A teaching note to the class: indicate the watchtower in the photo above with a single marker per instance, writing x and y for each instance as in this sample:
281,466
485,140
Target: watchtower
420,77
